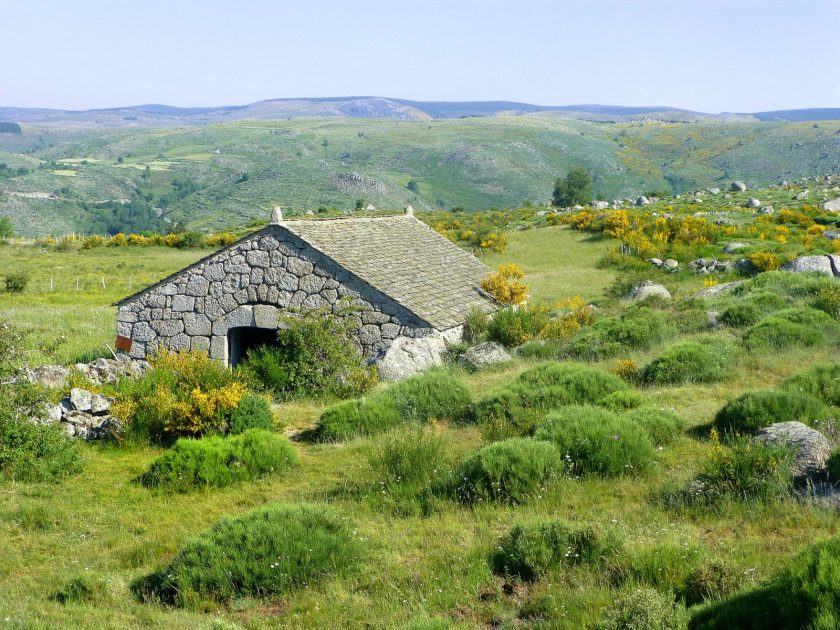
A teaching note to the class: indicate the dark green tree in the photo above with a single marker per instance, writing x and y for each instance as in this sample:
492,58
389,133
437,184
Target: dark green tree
412,185
574,189
7,230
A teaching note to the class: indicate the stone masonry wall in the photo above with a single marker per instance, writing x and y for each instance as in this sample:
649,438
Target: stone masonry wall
250,284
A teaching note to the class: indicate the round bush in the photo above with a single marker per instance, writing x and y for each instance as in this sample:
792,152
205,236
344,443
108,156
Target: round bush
687,362
622,401
216,462
711,580
355,418
532,550
804,327
740,315
269,550
638,328
806,594
644,609
597,441
432,395
752,411
252,412
661,425
581,383
509,471
821,381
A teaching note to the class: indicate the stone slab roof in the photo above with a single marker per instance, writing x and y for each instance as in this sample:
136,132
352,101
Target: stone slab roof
399,256
404,259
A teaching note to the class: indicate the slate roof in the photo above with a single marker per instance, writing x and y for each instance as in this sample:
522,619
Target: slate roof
406,260
398,255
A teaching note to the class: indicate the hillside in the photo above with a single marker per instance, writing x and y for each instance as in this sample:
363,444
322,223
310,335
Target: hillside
62,177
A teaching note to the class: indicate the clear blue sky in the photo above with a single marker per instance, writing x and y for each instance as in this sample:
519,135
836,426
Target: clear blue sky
708,55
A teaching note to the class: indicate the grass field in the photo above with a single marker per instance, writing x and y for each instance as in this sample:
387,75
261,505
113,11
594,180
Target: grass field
416,569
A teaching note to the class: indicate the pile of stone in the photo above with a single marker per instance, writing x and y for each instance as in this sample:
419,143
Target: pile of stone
711,265
86,416
99,372
669,264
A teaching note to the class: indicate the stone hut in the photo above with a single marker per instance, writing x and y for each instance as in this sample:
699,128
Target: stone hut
408,290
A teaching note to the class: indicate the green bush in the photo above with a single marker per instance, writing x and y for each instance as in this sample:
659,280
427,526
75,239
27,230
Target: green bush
833,465
314,357
643,609
536,549
688,362
711,580
80,589
28,451
433,395
597,441
622,400
269,550
664,566
514,326
252,412
802,327
754,410
356,418
785,284
740,315
661,425
410,456
821,381
475,325
16,281
806,594
511,471
517,408
216,462
639,328
828,300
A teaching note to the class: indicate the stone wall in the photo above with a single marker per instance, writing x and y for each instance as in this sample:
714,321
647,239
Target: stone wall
250,284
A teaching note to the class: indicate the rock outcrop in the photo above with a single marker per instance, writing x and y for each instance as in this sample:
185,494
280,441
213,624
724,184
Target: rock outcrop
484,355
812,448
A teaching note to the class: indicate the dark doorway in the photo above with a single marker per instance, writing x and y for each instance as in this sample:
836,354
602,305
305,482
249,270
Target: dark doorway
240,340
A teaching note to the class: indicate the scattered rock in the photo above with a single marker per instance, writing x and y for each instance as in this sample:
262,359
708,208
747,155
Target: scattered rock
670,265
407,356
714,191
752,202
642,201
52,376
646,289
832,205
600,205
812,447
810,264
802,196
738,186
745,265
832,235
484,355
100,405
718,289
84,415
80,399
766,210
734,246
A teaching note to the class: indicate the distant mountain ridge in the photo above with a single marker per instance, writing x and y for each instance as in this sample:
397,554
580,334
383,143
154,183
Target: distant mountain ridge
378,107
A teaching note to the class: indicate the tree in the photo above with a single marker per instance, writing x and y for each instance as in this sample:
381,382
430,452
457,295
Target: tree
574,189
412,185
7,230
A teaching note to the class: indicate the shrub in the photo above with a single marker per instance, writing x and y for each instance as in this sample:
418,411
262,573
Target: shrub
78,589
183,394
597,441
252,412
740,315
513,327
688,362
639,328
533,550
711,580
355,418
643,609
216,462
752,411
29,451
804,595
804,327
314,357
828,300
407,459
622,400
515,409
511,471
745,471
661,425
664,566
16,281
833,465
269,550
765,261
504,285
626,370
475,325
434,394
821,381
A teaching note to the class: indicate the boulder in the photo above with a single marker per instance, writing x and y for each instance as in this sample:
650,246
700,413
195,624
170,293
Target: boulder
714,191
810,264
671,265
766,210
484,355
738,186
734,246
52,376
802,196
832,205
812,447
752,202
646,289
642,201
409,355
80,399
100,405
718,289
600,205
832,235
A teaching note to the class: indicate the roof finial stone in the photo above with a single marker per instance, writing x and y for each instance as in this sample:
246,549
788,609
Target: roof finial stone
409,211
277,215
